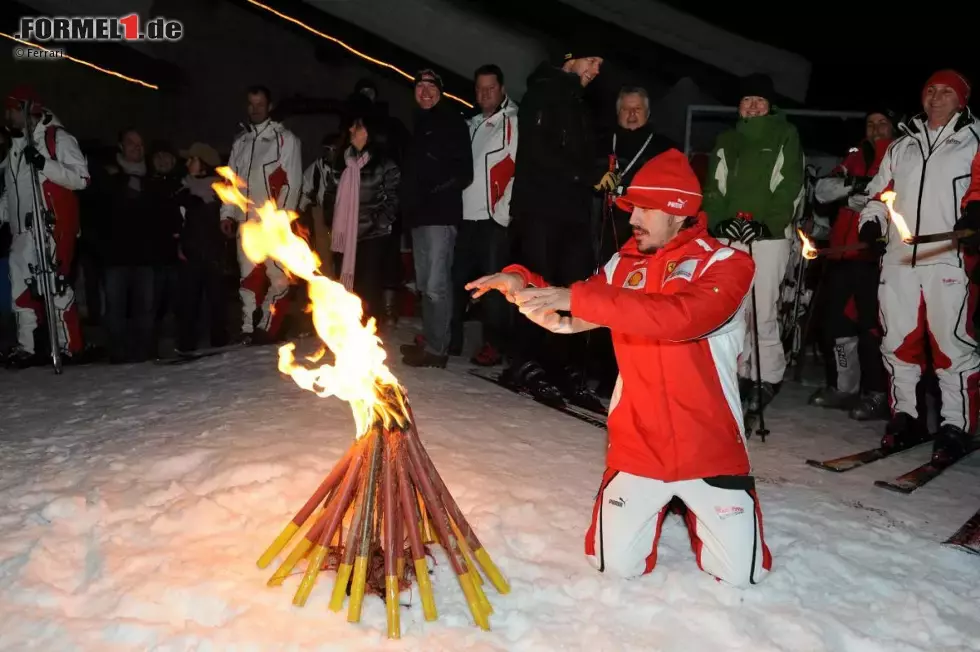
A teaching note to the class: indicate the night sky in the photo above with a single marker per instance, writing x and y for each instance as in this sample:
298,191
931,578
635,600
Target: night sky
863,53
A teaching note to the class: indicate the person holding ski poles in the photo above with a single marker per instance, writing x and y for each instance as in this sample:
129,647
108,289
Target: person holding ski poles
43,171
673,298
753,190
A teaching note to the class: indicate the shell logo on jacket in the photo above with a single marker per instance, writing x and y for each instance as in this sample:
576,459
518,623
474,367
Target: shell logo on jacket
494,143
676,413
930,174
267,157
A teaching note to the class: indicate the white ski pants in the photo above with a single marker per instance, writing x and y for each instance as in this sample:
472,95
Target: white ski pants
771,258
724,521
264,287
930,306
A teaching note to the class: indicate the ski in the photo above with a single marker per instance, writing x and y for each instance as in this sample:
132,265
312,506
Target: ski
200,354
922,475
588,416
967,538
859,459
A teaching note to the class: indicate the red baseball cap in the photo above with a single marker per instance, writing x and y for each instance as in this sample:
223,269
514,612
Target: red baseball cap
954,80
666,182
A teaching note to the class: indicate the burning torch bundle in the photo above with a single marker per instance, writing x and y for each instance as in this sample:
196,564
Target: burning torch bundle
384,498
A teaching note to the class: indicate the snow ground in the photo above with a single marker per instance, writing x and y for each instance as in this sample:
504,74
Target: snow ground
135,500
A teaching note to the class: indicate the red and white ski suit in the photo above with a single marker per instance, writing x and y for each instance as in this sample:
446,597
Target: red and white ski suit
675,419
65,170
267,158
928,301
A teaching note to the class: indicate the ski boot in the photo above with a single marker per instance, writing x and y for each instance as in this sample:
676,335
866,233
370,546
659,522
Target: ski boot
578,393
951,443
903,431
487,356
758,396
833,399
872,406
532,378
20,358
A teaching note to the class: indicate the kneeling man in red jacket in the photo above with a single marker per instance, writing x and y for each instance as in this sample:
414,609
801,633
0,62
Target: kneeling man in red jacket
673,298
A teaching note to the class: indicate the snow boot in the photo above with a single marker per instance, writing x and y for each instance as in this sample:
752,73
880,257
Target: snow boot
951,443
419,357
833,399
487,356
873,406
903,431
20,358
759,395
409,349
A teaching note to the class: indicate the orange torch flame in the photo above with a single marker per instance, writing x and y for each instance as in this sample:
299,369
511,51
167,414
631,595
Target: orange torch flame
809,251
896,217
358,374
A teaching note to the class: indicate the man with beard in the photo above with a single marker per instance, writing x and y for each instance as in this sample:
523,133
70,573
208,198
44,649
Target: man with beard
550,208
61,169
673,298
266,156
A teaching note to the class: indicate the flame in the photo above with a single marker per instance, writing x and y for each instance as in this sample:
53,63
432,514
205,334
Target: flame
896,217
358,374
809,251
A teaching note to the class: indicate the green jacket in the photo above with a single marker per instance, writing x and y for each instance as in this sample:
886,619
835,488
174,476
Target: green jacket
756,168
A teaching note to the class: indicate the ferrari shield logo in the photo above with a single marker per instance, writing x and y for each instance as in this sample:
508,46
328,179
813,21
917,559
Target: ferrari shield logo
671,265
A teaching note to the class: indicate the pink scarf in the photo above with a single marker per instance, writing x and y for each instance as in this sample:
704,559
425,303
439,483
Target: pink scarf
345,210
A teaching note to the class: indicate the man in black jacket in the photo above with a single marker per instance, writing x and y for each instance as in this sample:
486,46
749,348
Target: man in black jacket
551,210
437,166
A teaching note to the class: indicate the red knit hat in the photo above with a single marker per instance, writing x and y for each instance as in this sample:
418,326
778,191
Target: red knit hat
954,80
666,182
23,93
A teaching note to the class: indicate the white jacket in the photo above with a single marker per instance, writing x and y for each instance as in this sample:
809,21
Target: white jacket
930,175
318,179
267,157
63,173
494,144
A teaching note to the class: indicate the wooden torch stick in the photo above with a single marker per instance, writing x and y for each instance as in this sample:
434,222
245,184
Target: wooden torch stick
390,533
479,552
410,510
440,518
331,518
331,481
346,565
314,535
377,446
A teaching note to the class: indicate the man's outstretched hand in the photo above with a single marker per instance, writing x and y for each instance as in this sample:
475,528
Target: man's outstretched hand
506,283
544,299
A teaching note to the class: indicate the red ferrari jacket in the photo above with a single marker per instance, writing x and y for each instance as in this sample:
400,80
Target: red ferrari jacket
677,324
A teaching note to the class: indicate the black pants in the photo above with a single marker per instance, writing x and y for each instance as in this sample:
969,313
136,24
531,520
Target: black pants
481,248
130,312
196,281
857,281
562,253
371,274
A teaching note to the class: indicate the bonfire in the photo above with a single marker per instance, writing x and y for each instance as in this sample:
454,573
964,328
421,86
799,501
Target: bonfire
384,499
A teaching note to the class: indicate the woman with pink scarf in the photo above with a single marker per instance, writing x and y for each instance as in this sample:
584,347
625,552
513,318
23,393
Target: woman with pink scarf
364,213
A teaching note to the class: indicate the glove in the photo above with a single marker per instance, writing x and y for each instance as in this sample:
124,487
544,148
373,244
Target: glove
970,220
609,182
857,201
730,229
871,235
859,185
32,156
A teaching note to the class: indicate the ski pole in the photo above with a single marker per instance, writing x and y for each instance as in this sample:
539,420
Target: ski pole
762,431
45,270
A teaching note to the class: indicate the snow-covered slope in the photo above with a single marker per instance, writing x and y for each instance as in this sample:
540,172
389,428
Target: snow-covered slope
135,500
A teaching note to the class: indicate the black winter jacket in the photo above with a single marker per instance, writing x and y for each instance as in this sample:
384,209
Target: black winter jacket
555,167
437,166
201,240
141,225
378,206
